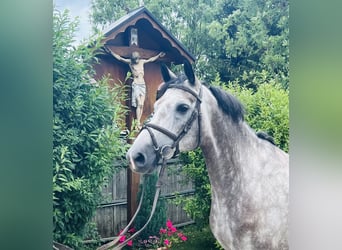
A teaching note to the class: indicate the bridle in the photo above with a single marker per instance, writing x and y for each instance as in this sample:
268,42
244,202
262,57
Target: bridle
170,151
163,153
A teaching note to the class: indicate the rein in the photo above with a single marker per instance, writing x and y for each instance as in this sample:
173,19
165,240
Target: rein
124,231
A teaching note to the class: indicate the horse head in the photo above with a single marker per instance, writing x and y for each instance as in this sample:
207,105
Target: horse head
175,124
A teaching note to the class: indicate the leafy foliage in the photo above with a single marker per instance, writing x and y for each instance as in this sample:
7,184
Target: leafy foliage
267,110
85,133
198,205
237,39
105,12
255,39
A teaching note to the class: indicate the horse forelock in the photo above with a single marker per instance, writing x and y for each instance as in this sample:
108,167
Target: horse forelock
229,104
165,85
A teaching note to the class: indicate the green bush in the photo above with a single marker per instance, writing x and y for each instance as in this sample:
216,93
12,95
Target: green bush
198,205
85,133
197,238
267,110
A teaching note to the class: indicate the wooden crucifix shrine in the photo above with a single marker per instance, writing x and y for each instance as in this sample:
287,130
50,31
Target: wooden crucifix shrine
136,45
138,86
135,58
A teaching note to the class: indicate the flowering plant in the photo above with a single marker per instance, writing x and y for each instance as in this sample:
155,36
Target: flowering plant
123,237
167,237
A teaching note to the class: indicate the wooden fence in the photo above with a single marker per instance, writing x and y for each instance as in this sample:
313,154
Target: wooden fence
111,215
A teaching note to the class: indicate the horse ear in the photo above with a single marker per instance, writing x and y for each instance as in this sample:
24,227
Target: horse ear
165,72
189,72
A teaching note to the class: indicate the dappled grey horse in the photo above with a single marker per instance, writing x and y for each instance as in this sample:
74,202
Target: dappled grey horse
248,174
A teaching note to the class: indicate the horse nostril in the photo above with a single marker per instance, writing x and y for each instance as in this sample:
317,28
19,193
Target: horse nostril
140,160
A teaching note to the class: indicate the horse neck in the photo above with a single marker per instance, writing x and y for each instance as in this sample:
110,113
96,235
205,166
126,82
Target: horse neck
223,143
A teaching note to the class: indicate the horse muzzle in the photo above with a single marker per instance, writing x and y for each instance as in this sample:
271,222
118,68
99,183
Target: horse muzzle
142,158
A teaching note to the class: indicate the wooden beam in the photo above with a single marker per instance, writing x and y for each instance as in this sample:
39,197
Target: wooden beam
133,179
126,52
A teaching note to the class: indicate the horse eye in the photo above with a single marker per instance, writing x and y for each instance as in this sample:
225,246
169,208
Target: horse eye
182,108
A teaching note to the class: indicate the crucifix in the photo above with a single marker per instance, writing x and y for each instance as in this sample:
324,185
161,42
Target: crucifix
131,55
136,65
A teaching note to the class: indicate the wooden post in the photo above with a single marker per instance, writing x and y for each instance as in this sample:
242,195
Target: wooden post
133,181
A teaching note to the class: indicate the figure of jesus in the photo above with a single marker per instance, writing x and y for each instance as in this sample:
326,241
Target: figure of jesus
136,65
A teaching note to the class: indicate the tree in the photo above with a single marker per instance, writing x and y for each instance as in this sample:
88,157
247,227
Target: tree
105,12
237,39
255,38
85,133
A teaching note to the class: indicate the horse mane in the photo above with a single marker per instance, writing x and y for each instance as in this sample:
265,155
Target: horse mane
229,104
263,135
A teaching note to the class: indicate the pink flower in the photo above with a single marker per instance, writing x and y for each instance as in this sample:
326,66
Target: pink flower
169,224
171,231
162,231
130,243
132,230
183,238
122,238
166,242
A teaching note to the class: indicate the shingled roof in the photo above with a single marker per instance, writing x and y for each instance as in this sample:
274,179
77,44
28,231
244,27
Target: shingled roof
153,35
